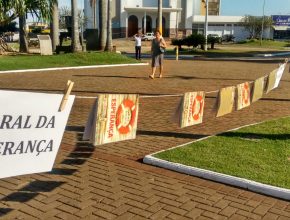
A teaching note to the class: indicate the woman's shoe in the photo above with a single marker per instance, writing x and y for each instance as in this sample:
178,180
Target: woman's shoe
151,76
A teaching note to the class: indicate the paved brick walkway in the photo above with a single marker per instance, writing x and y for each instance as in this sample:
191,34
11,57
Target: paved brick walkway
110,181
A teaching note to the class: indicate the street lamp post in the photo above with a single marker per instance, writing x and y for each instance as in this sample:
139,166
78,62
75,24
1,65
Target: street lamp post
263,19
206,25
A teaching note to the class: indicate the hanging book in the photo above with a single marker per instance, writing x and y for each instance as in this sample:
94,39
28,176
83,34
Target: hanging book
192,109
279,74
271,80
244,95
113,118
226,100
258,89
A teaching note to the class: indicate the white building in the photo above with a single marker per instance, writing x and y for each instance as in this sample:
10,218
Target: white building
180,17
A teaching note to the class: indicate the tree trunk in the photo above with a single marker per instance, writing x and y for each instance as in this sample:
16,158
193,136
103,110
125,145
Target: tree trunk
159,25
76,47
109,44
93,4
55,27
103,24
22,34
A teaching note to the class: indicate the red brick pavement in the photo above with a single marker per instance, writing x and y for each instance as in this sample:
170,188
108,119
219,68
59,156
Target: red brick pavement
109,181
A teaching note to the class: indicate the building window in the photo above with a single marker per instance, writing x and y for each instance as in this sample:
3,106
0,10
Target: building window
216,25
281,34
198,28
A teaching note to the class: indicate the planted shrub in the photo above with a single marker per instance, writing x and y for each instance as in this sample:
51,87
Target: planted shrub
177,42
212,40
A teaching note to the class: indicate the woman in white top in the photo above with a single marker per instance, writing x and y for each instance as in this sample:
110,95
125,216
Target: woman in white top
138,45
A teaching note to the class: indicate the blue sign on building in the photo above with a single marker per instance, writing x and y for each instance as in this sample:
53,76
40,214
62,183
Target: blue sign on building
281,20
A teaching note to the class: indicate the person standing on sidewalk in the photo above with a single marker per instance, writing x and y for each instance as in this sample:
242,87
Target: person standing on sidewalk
157,51
138,44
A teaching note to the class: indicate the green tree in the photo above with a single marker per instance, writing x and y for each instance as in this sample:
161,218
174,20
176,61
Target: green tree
253,24
23,43
63,12
8,27
12,9
194,40
178,42
213,40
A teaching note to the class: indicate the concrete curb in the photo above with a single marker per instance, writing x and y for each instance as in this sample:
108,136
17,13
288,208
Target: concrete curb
273,54
74,67
219,177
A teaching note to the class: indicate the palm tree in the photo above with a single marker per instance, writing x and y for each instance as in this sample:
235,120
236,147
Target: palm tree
23,43
109,43
103,16
76,47
93,5
10,10
55,27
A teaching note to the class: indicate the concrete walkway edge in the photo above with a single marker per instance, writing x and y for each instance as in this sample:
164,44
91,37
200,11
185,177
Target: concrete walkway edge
73,67
219,177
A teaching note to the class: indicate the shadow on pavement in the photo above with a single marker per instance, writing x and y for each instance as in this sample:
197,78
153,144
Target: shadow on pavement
194,77
171,134
20,197
31,190
276,100
4,211
63,171
166,77
77,157
256,136
113,76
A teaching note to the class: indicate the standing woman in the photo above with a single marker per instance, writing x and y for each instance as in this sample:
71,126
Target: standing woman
157,51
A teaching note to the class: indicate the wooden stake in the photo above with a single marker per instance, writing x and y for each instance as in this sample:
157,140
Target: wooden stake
67,92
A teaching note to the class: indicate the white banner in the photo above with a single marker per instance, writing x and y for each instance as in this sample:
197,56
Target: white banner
31,129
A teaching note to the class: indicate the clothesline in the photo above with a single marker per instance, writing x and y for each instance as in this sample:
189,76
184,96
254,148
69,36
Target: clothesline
158,95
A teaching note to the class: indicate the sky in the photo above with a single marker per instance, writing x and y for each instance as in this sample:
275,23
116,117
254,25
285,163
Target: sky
68,2
235,7
255,7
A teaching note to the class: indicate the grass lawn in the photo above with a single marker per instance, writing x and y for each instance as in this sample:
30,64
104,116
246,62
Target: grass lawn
62,60
260,153
265,43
